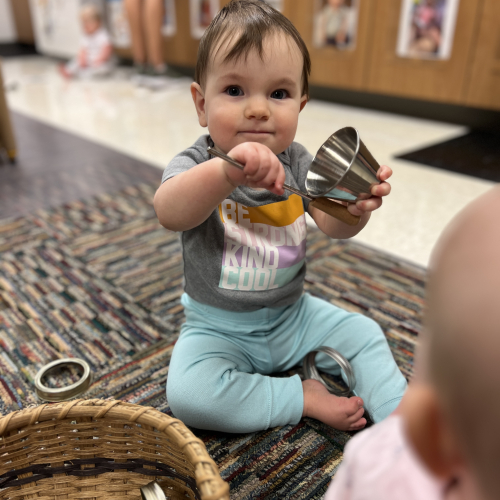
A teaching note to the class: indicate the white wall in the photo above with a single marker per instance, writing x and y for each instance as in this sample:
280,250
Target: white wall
56,24
8,32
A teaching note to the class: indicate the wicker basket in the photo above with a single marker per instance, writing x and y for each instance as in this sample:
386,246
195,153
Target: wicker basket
95,450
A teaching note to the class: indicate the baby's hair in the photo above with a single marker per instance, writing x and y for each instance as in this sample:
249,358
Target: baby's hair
90,10
249,21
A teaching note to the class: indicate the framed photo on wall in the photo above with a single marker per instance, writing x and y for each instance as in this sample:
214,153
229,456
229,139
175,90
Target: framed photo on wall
335,23
201,13
427,28
169,19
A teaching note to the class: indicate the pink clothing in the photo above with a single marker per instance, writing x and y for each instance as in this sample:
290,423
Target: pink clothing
379,464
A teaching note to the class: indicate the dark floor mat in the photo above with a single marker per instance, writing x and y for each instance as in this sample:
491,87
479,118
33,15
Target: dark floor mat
17,49
101,280
476,153
55,167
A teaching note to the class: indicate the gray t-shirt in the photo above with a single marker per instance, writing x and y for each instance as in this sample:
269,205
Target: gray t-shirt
250,252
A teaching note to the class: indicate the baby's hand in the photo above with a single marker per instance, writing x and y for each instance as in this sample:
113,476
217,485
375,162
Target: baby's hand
383,189
262,168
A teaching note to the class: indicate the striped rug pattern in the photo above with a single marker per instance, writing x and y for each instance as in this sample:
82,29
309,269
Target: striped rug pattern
100,279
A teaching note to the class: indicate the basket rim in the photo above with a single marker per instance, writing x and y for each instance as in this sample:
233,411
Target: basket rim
210,483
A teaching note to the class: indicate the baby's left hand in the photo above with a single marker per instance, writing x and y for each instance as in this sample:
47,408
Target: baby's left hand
383,189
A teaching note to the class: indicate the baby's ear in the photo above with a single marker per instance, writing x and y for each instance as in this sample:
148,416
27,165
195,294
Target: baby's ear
429,432
199,102
303,101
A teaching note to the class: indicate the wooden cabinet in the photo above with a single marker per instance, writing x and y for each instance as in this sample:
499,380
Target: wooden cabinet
471,75
482,86
22,18
436,80
331,66
181,48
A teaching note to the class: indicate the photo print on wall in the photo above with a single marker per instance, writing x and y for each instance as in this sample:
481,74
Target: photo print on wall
201,13
426,28
335,23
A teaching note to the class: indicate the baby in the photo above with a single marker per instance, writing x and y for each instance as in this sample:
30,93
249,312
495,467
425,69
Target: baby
443,442
95,57
243,241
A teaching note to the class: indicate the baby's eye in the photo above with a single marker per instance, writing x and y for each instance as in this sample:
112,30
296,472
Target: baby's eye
279,94
234,91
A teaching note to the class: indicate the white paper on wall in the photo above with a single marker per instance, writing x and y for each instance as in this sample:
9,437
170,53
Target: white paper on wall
118,24
201,13
277,4
427,28
170,19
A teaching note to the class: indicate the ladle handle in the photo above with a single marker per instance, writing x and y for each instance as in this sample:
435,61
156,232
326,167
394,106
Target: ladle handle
336,210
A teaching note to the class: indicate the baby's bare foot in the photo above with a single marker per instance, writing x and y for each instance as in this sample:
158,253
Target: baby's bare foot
345,414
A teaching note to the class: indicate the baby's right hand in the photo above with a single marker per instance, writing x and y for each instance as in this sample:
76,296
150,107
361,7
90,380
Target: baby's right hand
262,168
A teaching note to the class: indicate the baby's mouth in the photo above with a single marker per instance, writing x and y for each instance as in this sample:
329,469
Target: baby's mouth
256,132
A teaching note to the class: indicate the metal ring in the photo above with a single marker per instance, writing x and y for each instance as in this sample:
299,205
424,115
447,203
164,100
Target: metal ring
311,372
152,491
63,393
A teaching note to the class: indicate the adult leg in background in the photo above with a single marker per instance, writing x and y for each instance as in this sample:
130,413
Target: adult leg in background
153,21
134,16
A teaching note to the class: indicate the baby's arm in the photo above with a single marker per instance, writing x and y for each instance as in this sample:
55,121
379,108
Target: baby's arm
186,200
338,230
82,57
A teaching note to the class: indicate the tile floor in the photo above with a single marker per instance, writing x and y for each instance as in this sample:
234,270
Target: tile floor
153,126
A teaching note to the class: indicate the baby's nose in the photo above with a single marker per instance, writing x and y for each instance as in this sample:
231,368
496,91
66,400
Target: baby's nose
257,108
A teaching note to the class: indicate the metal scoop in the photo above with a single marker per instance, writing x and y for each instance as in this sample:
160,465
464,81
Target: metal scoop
324,204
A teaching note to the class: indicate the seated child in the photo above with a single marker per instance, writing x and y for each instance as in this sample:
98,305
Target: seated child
95,57
243,241
442,443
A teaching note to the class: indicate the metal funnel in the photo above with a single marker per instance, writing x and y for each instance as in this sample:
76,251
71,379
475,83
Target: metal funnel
343,168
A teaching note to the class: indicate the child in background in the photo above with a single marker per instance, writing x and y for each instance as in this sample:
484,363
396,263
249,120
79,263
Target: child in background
443,443
243,242
95,57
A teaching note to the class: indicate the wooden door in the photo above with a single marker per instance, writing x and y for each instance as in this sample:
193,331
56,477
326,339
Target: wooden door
437,80
331,66
483,82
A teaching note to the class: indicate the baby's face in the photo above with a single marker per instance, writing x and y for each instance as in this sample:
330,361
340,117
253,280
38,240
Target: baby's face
90,24
255,100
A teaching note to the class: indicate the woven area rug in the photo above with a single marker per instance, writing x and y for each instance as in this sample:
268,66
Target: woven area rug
101,280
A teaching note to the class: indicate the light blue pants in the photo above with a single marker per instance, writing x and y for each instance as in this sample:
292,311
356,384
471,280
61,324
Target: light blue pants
218,376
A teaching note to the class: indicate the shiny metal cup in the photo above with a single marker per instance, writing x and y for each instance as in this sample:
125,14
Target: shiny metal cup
343,168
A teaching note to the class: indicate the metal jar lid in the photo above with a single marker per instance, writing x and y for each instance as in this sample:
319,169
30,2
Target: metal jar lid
54,394
311,372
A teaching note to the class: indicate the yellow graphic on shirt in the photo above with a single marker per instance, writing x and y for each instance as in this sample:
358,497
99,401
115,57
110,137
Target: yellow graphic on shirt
264,247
